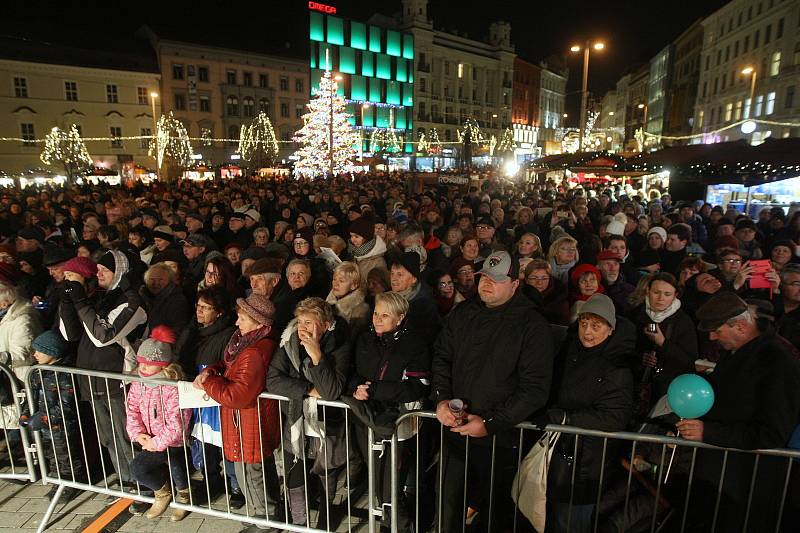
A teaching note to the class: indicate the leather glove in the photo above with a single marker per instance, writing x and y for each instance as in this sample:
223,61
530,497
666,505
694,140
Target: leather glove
74,292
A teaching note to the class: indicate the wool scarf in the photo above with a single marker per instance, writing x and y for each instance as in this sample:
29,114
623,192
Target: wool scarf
659,316
364,249
239,342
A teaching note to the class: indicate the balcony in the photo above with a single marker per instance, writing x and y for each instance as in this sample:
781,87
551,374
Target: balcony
437,118
448,98
424,67
434,96
423,117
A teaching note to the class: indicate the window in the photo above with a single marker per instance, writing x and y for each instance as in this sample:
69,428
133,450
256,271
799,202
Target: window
724,80
779,30
705,88
298,85
27,133
144,144
230,76
797,54
788,102
177,72
736,49
71,91
738,114
461,70
756,37
205,104
728,111
142,98
708,61
284,110
233,135
263,80
759,105
719,57
746,108
768,34
422,85
180,102
775,64
263,106
116,134
284,83
21,87
727,52
232,106
700,116
248,105
247,79
746,45
202,74
112,96
770,103
446,68
298,111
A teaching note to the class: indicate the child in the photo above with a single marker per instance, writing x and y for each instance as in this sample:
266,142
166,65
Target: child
55,412
156,423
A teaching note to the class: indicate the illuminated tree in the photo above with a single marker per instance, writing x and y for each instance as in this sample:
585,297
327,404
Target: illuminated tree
257,143
326,113
172,148
68,149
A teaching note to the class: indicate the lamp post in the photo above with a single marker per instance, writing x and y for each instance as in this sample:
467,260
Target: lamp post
584,86
752,110
153,96
330,127
364,107
644,124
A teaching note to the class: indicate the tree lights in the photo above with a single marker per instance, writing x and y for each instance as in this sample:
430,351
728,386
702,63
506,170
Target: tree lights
67,148
257,142
172,145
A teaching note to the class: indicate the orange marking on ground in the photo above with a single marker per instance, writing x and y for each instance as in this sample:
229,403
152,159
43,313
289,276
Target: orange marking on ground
110,514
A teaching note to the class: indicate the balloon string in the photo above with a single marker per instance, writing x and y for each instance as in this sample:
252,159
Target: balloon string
671,457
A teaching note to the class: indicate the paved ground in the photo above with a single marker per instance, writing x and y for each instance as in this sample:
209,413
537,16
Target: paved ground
22,508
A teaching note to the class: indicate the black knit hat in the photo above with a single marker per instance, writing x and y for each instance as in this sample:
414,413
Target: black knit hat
364,227
410,261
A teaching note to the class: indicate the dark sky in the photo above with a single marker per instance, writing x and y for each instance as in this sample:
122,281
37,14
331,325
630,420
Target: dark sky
634,31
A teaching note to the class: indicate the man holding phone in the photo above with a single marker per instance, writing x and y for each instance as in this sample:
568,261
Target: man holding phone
748,279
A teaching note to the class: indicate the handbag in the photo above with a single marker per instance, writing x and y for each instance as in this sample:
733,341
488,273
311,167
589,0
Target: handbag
529,489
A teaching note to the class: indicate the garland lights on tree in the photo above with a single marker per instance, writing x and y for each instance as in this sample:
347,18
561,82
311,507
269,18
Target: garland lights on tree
382,141
326,111
172,146
257,142
68,149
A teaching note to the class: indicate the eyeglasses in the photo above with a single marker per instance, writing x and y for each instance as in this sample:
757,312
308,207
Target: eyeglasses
444,284
204,307
538,278
465,271
732,261
483,226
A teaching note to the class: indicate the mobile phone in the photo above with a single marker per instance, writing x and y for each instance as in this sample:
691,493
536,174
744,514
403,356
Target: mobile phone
562,214
651,327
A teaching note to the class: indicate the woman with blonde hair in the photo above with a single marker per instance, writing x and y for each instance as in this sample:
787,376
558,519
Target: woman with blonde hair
347,297
562,256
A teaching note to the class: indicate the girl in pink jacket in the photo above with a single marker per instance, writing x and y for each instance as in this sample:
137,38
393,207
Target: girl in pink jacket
156,423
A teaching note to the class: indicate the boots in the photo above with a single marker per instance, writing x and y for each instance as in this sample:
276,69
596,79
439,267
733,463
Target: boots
297,505
162,498
180,514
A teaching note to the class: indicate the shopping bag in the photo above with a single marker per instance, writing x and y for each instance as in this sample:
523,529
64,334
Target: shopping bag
529,489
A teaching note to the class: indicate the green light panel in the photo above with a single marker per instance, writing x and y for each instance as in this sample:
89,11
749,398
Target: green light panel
347,60
323,64
316,74
313,55
408,46
402,74
369,116
408,94
358,35
400,119
374,39
358,88
383,117
315,31
409,147
393,43
392,92
335,30
375,90
351,110
409,120
410,72
384,67
367,68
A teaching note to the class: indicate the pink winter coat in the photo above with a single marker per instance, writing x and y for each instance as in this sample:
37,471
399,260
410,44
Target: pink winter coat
145,416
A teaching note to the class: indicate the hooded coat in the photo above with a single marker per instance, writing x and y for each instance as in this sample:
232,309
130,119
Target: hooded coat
372,259
18,328
353,309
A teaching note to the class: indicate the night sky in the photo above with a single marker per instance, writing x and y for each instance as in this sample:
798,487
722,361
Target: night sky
634,31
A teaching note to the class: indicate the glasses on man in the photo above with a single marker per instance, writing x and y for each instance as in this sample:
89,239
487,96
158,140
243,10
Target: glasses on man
445,284
464,271
204,307
732,261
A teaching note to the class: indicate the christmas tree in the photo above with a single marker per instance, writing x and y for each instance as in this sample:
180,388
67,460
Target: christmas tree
68,149
172,147
315,156
506,143
257,143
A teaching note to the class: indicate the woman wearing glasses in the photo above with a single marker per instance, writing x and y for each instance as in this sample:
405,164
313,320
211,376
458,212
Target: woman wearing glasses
446,295
541,287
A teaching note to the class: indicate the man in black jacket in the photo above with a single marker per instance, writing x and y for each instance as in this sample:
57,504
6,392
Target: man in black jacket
495,353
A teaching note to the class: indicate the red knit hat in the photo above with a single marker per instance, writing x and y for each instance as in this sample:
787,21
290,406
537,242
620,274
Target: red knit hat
82,266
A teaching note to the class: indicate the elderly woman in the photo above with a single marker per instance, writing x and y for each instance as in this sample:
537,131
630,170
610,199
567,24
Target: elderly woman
250,427
391,376
303,248
782,253
666,338
347,297
312,363
551,295
470,249
261,237
593,389
562,256
368,250
19,325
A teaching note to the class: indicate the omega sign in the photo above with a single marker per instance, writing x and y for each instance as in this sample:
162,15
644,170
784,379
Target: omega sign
330,10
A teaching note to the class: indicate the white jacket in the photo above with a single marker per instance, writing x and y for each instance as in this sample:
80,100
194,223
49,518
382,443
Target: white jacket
18,328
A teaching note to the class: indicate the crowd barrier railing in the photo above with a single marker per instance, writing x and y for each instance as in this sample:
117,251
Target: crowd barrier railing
642,482
17,458
318,488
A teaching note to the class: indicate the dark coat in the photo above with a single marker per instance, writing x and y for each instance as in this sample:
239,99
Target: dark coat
594,389
168,308
619,292
498,360
284,300
553,303
788,324
53,405
423,315
198,346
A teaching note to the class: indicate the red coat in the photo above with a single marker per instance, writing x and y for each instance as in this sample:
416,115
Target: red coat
237,389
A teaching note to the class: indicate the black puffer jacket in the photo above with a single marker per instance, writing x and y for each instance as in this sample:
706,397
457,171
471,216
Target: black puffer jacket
498,360
199,346
167,308
594,389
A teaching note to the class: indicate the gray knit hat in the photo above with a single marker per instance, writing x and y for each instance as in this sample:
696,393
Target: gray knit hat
602,306
157,350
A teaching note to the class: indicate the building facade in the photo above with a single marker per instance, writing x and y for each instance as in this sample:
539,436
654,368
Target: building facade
636,96
458,78
743,42
679,116
215,91
658,83
525,109
552,95
106,96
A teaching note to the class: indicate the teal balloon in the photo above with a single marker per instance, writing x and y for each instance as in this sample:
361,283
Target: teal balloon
690,396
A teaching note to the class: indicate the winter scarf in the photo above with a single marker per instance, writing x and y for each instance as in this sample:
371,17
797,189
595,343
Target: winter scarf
239,343
561,272
410,292
659,316
364,249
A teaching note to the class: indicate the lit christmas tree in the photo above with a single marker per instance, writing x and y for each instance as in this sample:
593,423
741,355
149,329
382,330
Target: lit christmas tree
382,141
315,157
257,143
507,144
68,149
172,147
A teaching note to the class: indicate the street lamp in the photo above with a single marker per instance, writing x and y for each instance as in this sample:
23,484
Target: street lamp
330,126
752,108
153,96
576,48
643,107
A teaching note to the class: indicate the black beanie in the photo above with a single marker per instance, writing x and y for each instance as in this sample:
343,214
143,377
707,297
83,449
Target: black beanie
364,227
410,261
108,261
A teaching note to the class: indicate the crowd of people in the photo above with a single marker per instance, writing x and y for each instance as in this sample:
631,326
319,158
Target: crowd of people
492,305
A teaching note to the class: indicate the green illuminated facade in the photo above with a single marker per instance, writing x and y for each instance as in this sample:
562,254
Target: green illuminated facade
377,67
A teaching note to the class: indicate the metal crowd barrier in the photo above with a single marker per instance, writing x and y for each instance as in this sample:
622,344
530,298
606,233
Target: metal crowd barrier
16,458
657,475
85,443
